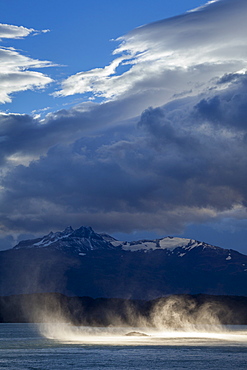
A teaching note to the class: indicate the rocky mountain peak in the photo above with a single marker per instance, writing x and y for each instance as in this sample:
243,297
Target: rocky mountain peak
79,240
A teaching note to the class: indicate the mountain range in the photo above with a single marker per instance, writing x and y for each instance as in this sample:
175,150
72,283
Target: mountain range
82,262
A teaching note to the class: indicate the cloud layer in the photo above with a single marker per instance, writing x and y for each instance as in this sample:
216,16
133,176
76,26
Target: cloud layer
167,148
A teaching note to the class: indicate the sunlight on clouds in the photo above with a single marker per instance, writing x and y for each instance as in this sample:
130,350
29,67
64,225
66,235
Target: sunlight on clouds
90,80
20,81
14,67
202,6
20,159
238,211
12,61
14,32
171,55
8,31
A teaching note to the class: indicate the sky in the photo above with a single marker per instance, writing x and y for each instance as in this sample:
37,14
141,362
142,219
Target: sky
127,117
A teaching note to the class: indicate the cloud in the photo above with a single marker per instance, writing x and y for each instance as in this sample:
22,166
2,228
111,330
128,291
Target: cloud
181,55
90,81
123,165
24,138
228,109
9,31
180,164
15,73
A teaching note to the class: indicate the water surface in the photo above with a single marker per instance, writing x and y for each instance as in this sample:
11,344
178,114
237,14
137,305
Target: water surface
22,346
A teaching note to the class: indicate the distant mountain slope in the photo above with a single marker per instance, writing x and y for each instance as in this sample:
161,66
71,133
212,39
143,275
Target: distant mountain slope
81,262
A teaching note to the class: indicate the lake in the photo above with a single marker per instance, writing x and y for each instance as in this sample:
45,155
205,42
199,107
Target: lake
61,346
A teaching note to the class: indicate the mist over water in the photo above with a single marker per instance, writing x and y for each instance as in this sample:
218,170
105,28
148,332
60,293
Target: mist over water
173,321
120,336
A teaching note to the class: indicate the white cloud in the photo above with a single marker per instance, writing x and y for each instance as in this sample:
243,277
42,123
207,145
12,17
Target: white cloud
14,67
181,55
203,6
9,31
90,81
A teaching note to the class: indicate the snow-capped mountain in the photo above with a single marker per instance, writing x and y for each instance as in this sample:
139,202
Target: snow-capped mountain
85,239
81,240
84,263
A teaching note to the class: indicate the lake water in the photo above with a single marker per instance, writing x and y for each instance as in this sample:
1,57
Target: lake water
58,347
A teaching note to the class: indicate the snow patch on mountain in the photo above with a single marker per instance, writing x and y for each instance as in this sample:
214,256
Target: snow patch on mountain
169,244
84,239
54,237
139,245
173,243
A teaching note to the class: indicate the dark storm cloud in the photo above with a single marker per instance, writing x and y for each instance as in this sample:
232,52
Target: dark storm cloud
181,163
22,135
228,109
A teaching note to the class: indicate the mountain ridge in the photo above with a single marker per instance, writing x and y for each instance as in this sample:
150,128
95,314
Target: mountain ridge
82,262
85,239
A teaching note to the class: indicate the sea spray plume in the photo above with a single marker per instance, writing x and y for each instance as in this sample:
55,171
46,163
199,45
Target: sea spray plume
96,318
184,313
108,312
87,319
177,312
100,319
174,312
60,316
76,319
46,308
53,315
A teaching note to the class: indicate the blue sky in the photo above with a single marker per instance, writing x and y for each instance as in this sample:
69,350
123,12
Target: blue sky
128,117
